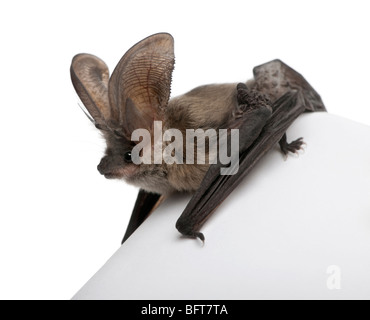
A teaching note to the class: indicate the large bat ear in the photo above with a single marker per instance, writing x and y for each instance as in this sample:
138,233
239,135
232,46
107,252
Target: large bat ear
139,88
90,77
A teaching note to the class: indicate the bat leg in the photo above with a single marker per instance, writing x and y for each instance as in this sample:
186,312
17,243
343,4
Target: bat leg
292,147
215,188
145,204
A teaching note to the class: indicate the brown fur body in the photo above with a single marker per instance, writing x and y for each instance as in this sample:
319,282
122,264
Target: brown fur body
205,107
137,94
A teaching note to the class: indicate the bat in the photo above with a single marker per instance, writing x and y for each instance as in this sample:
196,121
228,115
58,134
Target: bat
137,97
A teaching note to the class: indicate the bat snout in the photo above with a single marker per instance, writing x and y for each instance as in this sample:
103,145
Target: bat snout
114,167
102,166
108,166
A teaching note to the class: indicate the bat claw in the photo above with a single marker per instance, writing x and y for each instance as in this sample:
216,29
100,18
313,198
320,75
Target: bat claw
292,147
195,235
188,231
200,236
295,145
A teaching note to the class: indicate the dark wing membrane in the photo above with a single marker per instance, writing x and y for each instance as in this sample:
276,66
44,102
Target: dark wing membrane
275,78
146,203
215,188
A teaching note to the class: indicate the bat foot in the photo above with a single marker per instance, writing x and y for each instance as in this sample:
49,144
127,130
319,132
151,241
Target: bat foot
292,147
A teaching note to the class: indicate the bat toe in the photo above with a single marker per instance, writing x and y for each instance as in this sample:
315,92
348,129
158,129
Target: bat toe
292,147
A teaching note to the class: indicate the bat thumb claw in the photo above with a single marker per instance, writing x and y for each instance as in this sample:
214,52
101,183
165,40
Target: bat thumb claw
188,231
200,236
195,235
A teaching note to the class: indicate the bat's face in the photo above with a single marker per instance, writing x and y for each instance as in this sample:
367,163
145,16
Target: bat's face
133,97
117,164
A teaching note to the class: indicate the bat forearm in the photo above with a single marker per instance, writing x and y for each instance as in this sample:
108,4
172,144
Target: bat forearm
216,188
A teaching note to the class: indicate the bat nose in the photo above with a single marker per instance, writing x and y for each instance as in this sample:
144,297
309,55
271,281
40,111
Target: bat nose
109,164
102,166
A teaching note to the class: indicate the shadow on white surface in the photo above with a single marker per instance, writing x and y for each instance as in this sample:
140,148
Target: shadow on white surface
294,229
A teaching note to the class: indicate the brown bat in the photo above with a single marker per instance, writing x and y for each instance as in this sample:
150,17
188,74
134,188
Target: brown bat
138,94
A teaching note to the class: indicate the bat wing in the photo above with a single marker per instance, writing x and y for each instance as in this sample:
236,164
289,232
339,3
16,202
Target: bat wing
146,203
275,78
261,125
215,188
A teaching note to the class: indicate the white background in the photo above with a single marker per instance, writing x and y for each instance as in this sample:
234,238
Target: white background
60,220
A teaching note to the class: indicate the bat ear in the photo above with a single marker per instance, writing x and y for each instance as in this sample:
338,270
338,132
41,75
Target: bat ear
90,77
139,88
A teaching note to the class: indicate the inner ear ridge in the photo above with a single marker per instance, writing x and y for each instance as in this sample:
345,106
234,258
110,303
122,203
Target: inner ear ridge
90,77
143,78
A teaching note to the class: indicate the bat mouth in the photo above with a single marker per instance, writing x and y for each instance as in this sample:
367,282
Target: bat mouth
109,173
119,173
112,176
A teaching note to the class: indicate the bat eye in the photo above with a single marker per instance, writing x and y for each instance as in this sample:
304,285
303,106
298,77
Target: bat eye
127,157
